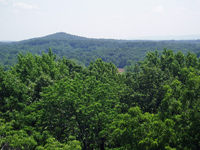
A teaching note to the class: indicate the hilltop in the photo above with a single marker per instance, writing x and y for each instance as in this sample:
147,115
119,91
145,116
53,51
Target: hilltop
63,36
56,36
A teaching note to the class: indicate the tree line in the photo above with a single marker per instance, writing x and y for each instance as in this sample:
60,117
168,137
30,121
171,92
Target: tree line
83,51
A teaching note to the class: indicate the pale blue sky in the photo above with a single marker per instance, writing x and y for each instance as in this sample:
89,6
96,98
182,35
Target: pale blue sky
117,19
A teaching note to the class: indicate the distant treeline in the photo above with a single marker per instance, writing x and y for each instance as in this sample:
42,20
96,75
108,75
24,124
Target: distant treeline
83,50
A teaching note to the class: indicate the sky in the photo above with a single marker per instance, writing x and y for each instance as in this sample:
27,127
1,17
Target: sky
116,19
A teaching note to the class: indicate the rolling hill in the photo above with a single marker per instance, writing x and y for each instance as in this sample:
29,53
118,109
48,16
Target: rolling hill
62,36
84,50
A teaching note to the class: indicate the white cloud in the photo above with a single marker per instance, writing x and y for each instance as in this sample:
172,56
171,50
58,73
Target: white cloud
25,6
158,9
4,2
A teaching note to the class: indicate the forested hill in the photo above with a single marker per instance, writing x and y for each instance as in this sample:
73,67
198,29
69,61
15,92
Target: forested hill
84,50
62,36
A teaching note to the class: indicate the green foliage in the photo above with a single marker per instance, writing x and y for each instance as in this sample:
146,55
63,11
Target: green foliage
135,130
49,103
53,144
86,104
11,139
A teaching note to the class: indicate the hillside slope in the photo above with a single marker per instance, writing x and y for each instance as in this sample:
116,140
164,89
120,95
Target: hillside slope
84,50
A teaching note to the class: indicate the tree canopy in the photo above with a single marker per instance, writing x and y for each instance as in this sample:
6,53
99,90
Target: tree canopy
51,103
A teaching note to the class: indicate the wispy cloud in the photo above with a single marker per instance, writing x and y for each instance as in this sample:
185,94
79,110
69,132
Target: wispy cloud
40,13
25,6
181,10
4,2
158,9
195,13
15,11
186,11
117,16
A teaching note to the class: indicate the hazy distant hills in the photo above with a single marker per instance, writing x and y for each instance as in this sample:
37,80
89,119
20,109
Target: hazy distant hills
69,37
169,37
56,36
66,36
84,50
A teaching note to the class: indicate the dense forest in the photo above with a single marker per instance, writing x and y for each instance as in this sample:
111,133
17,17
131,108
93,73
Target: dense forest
84,50
53,103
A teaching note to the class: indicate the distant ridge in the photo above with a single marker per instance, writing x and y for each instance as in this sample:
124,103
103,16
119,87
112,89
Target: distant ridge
63,36
169,37
6,41
68,37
